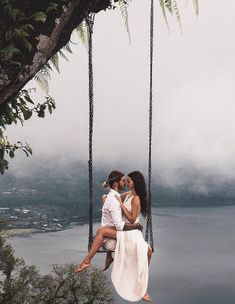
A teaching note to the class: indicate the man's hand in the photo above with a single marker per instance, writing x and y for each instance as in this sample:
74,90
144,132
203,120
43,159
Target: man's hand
129,226
139,226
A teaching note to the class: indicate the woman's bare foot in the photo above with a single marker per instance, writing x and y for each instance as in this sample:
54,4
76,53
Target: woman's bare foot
84,265
108,262
147,298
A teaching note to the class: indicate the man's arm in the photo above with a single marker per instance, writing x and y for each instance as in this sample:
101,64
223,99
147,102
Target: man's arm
116,214
120,225
129,226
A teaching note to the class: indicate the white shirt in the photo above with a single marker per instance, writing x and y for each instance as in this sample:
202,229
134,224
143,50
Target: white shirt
112,212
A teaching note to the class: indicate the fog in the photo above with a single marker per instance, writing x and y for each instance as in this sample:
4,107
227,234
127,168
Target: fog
194,73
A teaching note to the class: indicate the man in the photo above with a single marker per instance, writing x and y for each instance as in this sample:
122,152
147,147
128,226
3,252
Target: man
112,213
111,217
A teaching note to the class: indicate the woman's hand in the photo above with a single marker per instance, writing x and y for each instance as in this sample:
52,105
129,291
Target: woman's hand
119,199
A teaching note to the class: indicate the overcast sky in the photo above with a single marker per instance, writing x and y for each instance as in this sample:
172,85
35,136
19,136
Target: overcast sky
194,94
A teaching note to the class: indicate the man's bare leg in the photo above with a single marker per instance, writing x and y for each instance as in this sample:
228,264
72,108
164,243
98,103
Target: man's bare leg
98,241
108,260
102,232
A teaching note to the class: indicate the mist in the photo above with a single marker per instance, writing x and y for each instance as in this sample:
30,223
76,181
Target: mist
194,73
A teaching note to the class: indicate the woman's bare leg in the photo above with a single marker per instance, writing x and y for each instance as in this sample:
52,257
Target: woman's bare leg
149,253
147,297
98,241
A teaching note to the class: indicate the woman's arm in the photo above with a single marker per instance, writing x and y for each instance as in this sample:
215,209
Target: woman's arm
135,205
124,195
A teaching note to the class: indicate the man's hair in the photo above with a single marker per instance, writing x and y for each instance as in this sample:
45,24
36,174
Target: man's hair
114,177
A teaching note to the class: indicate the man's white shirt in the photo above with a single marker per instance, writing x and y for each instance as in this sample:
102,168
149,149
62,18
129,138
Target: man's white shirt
112,212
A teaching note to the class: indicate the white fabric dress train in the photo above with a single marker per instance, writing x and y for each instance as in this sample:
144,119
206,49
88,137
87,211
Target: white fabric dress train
130,269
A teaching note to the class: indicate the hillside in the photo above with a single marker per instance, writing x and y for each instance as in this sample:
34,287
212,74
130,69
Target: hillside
65,188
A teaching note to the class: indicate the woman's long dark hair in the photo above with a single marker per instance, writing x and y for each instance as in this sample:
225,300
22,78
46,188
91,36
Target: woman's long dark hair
140,189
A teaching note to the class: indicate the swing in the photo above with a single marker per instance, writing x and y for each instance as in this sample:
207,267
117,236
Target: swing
148,231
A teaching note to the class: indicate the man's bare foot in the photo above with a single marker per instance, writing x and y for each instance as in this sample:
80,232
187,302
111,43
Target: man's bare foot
108,262
147,298
84,265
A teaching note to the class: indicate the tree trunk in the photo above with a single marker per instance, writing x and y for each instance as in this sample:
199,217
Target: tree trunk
46,39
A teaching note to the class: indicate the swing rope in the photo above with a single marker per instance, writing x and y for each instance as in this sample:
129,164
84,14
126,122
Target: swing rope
90,25
149,229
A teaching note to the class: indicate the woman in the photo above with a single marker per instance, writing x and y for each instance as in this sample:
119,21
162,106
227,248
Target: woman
133,203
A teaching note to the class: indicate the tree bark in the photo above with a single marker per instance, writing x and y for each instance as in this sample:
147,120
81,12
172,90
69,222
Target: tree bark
53,35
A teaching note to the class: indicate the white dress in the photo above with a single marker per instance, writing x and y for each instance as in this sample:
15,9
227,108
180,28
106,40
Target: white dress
130,269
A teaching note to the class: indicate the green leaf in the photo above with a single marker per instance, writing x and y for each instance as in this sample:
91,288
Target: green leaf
63,55
176,11
20,33
17,15
27,45
39,16
83,33
19,64
168,5
196,5
29,99
26,113
27,26
124,13
11,154
42,78
52,7
67,48
55,62
162,5
1,153
9,51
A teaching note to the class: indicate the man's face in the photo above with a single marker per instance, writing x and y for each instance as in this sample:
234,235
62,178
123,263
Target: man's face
122,183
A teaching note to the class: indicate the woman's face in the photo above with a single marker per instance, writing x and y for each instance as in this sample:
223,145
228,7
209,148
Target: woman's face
130,183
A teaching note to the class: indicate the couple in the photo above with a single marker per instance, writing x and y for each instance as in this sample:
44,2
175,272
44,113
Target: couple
121,231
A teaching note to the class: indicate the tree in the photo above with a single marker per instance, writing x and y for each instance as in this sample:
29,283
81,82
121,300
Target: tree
31,33
21,284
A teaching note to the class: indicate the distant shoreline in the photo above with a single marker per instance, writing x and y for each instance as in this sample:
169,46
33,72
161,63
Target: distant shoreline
20,231
27,231
155,212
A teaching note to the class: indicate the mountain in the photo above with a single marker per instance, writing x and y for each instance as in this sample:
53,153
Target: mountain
65,187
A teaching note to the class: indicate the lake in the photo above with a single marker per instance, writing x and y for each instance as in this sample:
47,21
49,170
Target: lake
193,263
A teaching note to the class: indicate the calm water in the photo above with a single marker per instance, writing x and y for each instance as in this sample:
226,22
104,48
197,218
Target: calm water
194,260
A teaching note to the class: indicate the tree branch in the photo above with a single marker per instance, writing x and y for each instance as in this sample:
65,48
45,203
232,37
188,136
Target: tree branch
46,45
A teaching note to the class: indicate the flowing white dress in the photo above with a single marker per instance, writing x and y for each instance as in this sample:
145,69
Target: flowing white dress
130,269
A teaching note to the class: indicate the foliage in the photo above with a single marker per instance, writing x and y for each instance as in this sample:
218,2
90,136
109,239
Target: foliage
123,4
172,8
20,108
43,76
19,27
82,32
23,284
